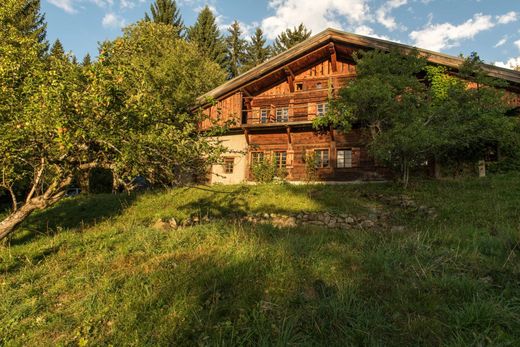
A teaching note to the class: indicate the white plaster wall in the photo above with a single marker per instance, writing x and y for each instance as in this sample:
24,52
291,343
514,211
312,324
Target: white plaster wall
237,149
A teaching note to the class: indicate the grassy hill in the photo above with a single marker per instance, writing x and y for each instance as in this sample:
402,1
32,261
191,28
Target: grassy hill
94,271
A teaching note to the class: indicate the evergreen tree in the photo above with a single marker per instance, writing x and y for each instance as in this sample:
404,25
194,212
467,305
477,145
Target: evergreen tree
32,23
290,38
206,35
86,60
166,12
256,52
57,50
236,50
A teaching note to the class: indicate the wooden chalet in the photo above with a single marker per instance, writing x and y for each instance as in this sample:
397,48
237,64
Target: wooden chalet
273,106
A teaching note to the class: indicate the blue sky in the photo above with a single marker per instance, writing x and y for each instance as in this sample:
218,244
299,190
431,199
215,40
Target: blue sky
489,27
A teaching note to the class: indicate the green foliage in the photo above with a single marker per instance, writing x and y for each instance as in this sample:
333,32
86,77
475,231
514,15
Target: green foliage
128,112
87,61
236,50
206,35
57,50
311,167
31,22
264,170
256,51
166,12
92,270
290,38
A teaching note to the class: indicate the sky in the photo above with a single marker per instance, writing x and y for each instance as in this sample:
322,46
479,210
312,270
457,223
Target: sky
489,27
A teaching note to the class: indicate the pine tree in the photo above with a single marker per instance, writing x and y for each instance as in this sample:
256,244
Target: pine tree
31,22
206,35
87,61
57,50
166,12
256,52
236,50
290,38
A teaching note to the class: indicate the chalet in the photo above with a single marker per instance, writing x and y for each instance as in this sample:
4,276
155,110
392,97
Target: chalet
273,106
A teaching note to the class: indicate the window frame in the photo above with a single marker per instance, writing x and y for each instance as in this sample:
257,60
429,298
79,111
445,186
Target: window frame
262,111
282,164
344,158
283,118
228,170
319,159
325,106
261,157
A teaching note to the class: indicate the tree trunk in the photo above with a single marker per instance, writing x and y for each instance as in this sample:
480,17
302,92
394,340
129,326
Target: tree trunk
9,224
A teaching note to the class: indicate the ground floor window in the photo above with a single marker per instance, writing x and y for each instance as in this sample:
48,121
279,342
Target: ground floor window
257,157
344,158
229,164
280,159
322,158
321,109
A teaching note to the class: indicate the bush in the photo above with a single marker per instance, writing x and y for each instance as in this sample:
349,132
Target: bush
266,170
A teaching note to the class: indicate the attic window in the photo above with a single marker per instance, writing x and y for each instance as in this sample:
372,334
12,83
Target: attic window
299,86
319,85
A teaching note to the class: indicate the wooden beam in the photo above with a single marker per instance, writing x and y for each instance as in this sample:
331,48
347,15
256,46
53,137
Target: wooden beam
244,91
289,139
333,57
246,134
290,78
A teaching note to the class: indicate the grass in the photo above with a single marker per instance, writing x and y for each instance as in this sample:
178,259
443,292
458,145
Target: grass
91,271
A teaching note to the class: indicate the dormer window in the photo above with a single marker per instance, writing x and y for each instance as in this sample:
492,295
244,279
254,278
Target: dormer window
299,86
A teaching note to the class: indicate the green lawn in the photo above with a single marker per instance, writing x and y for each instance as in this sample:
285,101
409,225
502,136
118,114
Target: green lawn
91,271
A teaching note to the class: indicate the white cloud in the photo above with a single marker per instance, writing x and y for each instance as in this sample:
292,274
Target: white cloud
368,31
65,5
382,13
501,42
507,18
112,20
316,15
517,44
510,64
439,36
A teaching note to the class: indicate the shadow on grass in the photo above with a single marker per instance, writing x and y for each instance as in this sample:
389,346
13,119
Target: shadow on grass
73,213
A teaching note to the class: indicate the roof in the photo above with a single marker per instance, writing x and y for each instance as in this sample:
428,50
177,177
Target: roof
337,36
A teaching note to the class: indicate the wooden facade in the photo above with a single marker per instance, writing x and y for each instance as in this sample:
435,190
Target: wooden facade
274,104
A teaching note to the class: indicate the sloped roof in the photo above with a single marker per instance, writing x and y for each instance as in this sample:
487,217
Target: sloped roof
341,37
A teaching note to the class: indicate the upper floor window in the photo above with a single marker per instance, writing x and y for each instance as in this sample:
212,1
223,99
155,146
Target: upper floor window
264,115
282,114
321,109
299,86
229,164
322,158
280,159
319,85
344,158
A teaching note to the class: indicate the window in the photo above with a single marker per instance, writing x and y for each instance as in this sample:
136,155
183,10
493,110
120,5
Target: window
322,158
282,114
321,109
280,159
229,163
299,86
344,158
264,116
319,85
256,157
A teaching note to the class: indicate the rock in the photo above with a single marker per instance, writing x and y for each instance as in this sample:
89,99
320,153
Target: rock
349,220
367,224
173,223
397,229
160,224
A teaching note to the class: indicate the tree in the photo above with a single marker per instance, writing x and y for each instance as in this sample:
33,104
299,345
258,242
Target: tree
128,112
409,122
31,22
256,51
290,38
206,35
87,61
57,50
236,50
166,12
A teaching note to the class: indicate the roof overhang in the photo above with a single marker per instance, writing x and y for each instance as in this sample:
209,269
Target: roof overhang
320,40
